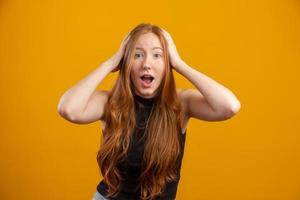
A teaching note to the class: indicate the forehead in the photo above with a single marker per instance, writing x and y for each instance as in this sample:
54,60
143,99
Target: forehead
148,40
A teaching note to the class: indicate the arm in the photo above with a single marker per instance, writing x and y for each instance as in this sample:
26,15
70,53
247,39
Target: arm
82,103
79,103
211,101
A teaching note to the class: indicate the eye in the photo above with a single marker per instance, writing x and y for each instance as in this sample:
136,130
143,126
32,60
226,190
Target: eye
137,55
157,55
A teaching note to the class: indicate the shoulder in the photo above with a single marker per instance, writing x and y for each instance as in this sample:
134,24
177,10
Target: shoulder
103,93
102,98
195,105
182,95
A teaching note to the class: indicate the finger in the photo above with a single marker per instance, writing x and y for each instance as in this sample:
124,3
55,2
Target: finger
116,69
163,30
167,36
166,33
125,41
126,38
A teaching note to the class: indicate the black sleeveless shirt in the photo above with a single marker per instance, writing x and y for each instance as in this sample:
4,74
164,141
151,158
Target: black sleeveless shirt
130,168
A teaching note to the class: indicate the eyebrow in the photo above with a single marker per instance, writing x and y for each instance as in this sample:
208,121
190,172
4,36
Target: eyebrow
152,48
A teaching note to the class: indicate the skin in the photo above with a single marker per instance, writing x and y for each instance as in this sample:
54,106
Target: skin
148,59
210,101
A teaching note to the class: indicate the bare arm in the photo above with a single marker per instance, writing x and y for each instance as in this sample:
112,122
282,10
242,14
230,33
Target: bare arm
211,101
82,103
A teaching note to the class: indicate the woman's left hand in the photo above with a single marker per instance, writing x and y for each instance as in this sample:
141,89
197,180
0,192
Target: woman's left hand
175,59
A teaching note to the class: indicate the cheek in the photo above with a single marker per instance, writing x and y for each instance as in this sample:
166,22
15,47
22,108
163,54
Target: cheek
161,68
161,73
134,76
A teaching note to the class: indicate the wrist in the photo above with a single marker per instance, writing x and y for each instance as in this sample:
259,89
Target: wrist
108,65
180,64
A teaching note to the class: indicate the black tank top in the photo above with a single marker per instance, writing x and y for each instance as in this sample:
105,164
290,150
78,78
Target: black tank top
130,168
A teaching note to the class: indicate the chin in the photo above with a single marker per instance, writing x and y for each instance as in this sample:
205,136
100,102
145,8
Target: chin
146,93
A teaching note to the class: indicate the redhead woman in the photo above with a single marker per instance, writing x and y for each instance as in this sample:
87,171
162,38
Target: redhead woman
144,116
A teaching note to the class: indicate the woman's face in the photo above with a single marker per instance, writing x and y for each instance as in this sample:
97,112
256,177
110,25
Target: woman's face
148,67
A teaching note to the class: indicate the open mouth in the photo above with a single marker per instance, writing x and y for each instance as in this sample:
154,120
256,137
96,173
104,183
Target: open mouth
147,78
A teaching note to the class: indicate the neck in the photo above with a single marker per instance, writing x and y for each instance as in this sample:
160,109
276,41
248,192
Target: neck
144,100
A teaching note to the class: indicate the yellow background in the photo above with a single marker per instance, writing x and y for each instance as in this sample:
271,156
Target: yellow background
251,47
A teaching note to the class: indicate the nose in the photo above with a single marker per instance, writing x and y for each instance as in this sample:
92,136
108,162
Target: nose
146,64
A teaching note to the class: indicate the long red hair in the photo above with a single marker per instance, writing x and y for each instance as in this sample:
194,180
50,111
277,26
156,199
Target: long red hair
162,146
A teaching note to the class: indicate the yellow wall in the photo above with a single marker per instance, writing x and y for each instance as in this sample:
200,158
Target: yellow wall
251,47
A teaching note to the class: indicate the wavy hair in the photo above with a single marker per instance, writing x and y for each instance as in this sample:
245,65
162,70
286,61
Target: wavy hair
162,145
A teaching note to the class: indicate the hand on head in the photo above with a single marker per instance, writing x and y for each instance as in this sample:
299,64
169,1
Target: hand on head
173,53
114,61
175,59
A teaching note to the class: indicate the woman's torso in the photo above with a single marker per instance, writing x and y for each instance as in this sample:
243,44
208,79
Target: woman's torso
130,167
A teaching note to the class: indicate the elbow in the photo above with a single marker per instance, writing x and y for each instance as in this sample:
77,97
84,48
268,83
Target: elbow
66,114
235,108
62,111
61,108
65,111
231,110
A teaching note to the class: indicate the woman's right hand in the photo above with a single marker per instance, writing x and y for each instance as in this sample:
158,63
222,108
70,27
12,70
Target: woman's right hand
116,58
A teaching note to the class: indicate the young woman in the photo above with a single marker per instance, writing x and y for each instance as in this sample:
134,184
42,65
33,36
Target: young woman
144,116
